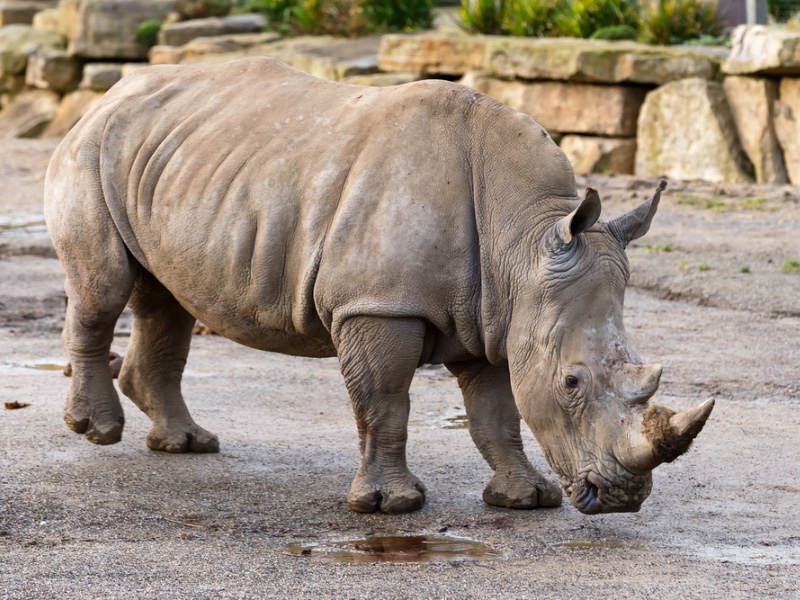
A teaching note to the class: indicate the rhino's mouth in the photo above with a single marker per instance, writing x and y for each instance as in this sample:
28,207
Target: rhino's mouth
592,494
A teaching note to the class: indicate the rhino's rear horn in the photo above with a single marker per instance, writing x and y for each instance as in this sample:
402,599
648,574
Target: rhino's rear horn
580,219
634,224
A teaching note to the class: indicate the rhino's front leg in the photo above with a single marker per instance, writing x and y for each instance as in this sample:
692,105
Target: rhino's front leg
378,358
494,427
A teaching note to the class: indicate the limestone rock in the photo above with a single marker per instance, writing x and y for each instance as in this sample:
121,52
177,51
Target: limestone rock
589,154
568,107
99,77
765,50
53,69
29,114
227,43
596,61
106,29
72,108
48,19
384,79
17,42
178,34
752,102
432,53
787,126
15,12
686,131
320,55
165,55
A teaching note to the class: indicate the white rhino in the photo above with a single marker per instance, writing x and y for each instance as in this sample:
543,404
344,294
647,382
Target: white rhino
394,227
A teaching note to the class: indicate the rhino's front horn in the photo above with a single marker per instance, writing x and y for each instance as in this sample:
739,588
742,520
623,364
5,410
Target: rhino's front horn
666,435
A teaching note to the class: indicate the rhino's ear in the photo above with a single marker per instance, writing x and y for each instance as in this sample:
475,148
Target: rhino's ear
580,219
636,223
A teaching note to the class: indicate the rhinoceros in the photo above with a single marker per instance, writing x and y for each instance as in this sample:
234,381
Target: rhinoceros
390,227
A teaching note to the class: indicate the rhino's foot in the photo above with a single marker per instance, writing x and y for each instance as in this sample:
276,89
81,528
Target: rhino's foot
100,426
189,438
521,491
392,496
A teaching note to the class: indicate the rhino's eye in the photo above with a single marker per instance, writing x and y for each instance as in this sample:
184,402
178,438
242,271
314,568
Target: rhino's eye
571,381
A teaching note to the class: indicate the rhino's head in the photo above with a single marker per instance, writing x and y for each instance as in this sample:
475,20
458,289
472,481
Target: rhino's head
578,382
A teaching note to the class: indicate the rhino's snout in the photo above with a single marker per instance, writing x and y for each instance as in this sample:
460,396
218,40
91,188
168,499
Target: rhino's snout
592,494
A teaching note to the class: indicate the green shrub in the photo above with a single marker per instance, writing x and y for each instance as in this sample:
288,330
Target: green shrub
669,22
399,15
147,32
202,9
584,17
532,18
615,32
482,16
279,13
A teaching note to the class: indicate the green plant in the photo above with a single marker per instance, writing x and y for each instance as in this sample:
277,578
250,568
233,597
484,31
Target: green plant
670,22
398,15
659,247
202,9
530,18
279,13
482,16
682,265
147,32
744,269
583,17
791,266
703,267
615,32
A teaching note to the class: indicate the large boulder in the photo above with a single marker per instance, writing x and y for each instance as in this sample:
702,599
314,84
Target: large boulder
106,29
787,126
608,110
54,69
29,114
178,34
72,108
432,53
686,131
590,154
764,50
17,43
752,102
597,61
99,77
18,12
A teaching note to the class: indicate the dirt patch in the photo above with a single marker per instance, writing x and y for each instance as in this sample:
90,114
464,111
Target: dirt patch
78,520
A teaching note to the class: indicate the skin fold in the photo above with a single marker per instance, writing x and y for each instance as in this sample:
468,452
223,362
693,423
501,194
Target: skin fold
391,227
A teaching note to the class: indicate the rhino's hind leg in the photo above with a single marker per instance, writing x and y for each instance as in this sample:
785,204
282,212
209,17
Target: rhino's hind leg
378,358
99,281
494,427
153,367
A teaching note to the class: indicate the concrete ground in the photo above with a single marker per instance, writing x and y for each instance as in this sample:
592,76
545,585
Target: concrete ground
265,518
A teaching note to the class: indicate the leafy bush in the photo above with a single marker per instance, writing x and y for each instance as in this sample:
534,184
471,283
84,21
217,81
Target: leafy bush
147,32
584,17
277,12
670,22
531,18
615,32
202,9
483,16
399,15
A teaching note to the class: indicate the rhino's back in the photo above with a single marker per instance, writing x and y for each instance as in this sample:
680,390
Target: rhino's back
271,203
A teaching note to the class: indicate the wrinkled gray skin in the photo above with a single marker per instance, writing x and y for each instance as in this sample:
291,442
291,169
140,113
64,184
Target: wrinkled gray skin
391,227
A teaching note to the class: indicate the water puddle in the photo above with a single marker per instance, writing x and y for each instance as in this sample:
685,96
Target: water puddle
46,367
457,422
396,549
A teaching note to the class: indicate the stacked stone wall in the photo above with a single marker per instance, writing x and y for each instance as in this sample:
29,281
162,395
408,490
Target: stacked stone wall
622,107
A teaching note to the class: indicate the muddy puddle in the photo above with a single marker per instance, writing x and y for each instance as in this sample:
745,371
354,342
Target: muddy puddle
457,422
396,549
45,366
